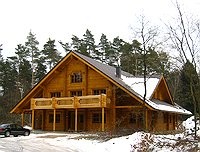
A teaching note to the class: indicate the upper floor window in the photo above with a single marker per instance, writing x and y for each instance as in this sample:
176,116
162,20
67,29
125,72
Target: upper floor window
76,93
76,77
99,91
55,94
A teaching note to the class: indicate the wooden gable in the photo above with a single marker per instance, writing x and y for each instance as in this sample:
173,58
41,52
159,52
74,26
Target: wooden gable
162,92
59,80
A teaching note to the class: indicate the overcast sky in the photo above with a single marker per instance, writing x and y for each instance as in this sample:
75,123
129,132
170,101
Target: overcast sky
60,19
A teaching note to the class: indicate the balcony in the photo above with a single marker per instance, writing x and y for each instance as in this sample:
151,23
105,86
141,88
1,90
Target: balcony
90,101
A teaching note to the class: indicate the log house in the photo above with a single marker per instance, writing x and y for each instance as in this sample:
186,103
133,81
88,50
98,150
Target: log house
81,94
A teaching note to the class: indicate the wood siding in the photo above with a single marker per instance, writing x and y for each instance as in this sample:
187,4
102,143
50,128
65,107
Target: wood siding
84,113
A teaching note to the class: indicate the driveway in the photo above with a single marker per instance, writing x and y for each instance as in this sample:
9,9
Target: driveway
28,144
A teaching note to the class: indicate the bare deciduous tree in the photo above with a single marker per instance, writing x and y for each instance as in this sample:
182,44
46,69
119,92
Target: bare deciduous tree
146,35
184,37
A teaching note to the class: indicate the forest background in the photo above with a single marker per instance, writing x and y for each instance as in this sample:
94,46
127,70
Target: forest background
147,54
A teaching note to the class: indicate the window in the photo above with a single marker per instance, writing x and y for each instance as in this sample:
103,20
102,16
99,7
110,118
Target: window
97,118
99,91
55,94
51,118
132,118
76,77
76,93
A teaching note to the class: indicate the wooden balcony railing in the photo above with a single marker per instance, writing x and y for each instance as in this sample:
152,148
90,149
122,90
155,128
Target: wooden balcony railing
90,101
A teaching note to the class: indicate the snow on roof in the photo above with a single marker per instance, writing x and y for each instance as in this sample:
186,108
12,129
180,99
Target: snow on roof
164,106
137,84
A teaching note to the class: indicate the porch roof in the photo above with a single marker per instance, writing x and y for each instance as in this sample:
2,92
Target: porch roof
164,106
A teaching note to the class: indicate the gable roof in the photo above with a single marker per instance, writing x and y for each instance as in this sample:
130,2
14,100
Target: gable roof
124,83
137,84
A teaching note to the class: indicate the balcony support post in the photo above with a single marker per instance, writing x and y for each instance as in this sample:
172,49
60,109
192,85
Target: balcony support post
76,119
54,119
102,129
54,113
32,119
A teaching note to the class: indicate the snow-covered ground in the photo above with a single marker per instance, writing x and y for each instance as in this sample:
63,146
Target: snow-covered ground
82,142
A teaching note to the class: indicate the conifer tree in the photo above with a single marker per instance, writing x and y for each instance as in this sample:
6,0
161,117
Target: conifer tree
188,78
115,51
78,45
66,46
41,69
51,54
23,68
89,43
32,47
103,49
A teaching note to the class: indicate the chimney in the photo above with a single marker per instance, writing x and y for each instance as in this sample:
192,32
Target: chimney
118,72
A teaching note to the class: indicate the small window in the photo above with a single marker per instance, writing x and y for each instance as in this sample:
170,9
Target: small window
99,91
51,118
76,77
55,94
76,93
132,118
97,118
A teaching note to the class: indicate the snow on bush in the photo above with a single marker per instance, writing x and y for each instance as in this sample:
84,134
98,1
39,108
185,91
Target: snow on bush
189,126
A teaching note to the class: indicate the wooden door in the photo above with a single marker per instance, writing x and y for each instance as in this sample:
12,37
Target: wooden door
80,119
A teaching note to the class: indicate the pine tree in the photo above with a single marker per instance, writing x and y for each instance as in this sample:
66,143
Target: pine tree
76,43
115,51
40,69
51,54
32,47
89,43
23,68
103,48
188,78
66,46
10,93
128,59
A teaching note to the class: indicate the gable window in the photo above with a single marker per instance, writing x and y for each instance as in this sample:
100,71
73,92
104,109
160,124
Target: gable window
51,118
76,77
99,91
76,93
55,94
97,118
